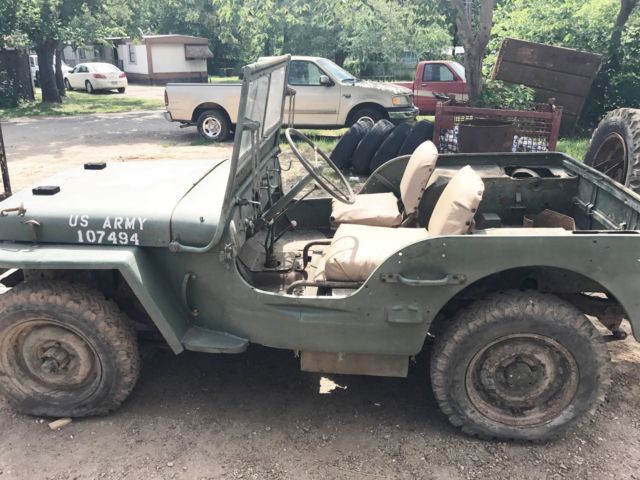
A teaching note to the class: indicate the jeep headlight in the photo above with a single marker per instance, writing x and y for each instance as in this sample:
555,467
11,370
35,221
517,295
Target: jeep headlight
400,100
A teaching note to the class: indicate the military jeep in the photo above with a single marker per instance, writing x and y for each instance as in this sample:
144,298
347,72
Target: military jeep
489,262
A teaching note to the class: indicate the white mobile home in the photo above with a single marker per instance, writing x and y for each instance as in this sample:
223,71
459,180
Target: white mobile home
158,59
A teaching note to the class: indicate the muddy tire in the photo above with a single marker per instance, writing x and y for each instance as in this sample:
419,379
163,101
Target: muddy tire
390,147
65,350
369,145
213,126
421,132
518,365
615,147
343,151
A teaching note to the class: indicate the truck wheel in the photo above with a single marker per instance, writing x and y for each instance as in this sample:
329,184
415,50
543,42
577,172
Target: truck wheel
213,126
615,147
518,365
367,115
64,350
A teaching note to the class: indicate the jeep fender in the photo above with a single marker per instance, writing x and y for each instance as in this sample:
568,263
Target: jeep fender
165,310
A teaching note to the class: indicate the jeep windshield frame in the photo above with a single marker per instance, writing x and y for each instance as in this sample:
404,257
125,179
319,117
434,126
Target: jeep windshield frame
256,141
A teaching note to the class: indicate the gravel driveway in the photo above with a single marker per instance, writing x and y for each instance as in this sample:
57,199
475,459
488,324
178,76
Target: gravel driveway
39,147
256,416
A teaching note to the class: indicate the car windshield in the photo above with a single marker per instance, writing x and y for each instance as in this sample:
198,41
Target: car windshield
338,72
459,70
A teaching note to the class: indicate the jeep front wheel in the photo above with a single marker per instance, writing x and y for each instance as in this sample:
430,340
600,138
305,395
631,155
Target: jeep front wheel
64,350
518,365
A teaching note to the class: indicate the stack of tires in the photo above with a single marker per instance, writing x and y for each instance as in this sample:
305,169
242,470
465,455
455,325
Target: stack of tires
363,149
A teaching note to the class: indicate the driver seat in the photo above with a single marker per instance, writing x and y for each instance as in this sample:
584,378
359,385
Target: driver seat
381,209
357,250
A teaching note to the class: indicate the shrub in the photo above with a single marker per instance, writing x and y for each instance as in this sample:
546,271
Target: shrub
497,94
10,91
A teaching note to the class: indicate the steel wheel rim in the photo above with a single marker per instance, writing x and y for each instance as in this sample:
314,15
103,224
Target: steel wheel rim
367,120
610,158
44,357
522,380
211,127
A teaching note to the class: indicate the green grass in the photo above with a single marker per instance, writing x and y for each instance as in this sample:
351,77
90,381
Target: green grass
574,147
215,79
78,103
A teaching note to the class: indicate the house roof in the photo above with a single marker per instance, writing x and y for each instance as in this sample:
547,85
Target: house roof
153,39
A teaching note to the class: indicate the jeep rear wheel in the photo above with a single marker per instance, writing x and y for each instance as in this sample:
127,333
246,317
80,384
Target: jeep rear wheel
64,350
518,365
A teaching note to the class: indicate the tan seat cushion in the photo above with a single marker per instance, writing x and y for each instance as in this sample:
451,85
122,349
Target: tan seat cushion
357,250
457,205
416,175
381,209
377,209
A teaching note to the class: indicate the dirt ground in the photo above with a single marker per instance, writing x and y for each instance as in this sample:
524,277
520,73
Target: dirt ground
256,416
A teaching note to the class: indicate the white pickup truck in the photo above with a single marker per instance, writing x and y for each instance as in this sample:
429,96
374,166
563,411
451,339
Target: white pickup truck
327,96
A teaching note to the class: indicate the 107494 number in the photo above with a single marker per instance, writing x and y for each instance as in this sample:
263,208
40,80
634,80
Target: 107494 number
115,238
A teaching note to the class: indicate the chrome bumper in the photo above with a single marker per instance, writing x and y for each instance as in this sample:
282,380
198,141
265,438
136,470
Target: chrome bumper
403,114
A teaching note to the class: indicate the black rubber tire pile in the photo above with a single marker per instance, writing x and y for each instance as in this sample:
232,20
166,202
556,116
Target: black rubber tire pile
363,149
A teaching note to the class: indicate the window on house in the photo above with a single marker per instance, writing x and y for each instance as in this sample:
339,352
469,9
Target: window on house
132,53
437,72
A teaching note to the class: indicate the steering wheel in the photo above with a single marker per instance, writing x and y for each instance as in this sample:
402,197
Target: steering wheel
341,192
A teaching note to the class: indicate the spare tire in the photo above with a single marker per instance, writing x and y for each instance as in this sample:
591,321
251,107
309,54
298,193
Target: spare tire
343,151
369,145
615,147
390,147
421,132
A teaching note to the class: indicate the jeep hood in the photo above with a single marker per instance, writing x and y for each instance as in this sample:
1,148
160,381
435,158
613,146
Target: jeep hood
133,203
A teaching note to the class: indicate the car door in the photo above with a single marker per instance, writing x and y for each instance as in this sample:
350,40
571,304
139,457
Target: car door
437,77
316,104
76,78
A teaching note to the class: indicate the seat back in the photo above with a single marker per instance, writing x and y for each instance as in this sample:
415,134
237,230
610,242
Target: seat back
457,205
416,175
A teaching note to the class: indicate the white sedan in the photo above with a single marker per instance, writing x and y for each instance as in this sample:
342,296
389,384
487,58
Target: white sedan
96,76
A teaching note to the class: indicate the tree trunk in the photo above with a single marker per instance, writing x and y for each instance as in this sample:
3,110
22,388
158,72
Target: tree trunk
596,101
473,26
59,74
473,70
614,50
45,52
339,57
